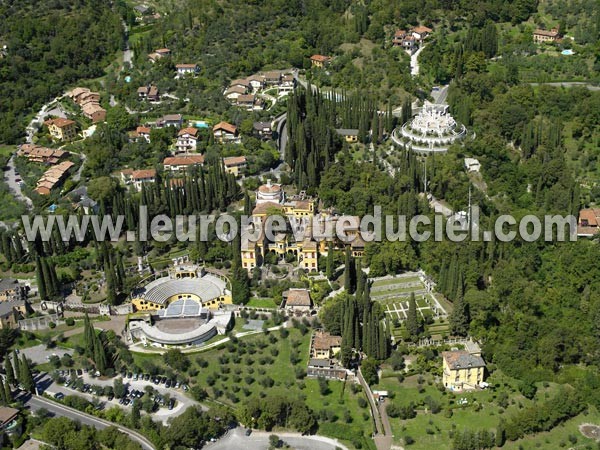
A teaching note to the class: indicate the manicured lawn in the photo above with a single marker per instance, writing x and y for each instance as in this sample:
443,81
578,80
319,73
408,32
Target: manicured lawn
405,290
395,281
262,303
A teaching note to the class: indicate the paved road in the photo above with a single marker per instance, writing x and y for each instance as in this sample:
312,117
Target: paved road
10,178
127,53
569,84
259,440
35,403
440,96
382,441
414,62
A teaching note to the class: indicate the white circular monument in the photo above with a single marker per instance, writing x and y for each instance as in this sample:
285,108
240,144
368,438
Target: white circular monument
433,129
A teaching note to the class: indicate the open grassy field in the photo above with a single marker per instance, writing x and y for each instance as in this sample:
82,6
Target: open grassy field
482,411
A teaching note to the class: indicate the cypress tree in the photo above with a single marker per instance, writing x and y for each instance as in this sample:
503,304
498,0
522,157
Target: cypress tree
39,274
500,433
8,393
26,376
412,324
10,374
99,354
16,368
347,272
247,204
329,267
460,317
3,398
88,336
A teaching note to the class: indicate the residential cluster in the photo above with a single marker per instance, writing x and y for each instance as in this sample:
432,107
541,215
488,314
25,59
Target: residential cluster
249,93
38,154
89,102
53,177
412,39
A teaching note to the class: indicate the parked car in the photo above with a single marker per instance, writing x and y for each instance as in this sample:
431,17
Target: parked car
171,404
110,397
156,380
248,431
146,377
129,375
59,396
168,383
177,385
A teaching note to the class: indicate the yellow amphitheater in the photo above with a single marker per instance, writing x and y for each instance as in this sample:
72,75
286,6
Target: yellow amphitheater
186,282
183,306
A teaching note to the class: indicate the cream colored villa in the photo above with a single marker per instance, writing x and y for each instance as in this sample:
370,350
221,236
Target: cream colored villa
462,370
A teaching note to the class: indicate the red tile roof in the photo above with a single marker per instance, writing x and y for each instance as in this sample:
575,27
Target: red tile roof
189,130
60,122
234,160
324,341
183,160
297,297
142,174
320,58
229,128
422,29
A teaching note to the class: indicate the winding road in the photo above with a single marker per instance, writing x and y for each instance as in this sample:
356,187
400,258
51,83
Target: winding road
35,403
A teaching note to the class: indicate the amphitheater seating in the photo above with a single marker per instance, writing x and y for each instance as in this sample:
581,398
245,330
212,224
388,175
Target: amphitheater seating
159,291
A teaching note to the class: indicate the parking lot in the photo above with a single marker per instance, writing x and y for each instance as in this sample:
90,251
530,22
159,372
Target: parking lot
40,354
92,389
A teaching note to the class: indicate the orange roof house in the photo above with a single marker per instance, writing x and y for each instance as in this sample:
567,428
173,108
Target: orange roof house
178,163
320,60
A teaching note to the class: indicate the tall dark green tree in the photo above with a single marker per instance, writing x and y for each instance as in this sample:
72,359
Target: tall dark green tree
330,262
460,317
412,322
10,373
8,393
26,375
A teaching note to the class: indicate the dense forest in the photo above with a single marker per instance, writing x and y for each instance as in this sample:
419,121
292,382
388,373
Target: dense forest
46,50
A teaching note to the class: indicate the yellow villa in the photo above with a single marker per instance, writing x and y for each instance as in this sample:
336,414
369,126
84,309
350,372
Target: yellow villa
462,370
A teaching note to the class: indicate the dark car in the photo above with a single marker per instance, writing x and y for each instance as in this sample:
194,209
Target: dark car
163,380
168,383
59,396
146,377
248,432
110,397
171,404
